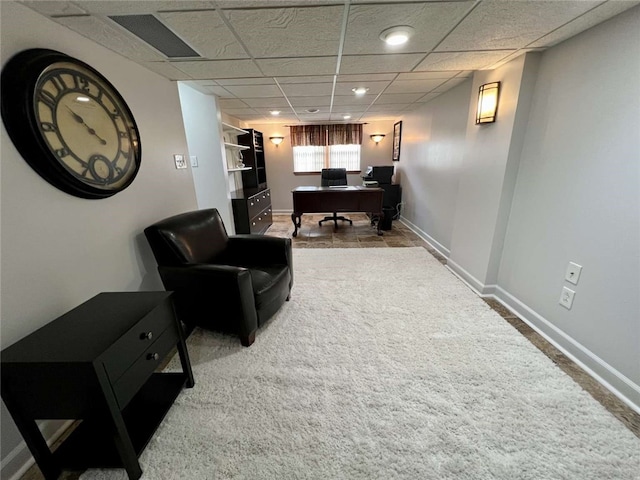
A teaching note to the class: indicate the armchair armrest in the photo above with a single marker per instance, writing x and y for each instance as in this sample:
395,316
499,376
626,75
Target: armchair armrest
212,288
259,250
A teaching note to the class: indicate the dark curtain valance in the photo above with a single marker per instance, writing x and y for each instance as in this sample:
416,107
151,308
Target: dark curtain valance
321,135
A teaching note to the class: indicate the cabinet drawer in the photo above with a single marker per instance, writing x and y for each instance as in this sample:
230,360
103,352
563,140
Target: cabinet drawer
257,203
262,221
119,357
132,379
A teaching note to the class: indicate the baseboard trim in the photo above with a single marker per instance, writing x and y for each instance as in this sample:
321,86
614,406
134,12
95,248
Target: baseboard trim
437,246
16,463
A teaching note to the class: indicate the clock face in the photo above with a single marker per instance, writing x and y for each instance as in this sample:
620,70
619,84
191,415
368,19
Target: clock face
69,123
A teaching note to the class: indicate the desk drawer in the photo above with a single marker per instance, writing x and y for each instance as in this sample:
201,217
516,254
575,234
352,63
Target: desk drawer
124,352
131,381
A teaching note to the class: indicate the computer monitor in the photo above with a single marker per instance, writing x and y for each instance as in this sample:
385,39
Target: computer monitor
381,174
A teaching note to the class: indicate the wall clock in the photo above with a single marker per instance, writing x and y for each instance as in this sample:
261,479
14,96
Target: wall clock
69,123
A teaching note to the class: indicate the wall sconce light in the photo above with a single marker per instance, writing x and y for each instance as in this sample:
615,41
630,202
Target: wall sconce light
276,140
377,137
487,103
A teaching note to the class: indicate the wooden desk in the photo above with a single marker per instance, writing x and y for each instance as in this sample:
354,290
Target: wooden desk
336,199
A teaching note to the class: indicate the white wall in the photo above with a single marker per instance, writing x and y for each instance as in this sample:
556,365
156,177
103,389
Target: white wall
203,129
279,160
430,161
555,179
59,250
577,198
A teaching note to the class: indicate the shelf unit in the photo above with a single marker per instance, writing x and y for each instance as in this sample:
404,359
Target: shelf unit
254,158
232,150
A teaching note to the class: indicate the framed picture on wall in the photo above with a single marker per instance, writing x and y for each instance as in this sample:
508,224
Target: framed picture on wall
397,136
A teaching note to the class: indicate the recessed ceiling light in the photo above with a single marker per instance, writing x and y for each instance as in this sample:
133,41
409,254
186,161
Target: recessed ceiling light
312,110
275,112
346,117
360,90
397,35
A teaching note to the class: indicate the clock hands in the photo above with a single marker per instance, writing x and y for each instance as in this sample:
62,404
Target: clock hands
79,119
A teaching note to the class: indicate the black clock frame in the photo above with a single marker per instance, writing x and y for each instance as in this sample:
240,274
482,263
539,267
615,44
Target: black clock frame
19,79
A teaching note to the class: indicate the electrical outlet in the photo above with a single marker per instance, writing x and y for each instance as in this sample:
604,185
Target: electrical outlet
180,161
573,273
566,298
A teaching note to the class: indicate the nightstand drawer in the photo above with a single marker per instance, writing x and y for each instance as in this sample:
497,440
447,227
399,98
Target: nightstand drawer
131,381
121,355
257,203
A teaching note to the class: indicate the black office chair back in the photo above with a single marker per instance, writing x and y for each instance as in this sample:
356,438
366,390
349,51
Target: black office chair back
333,176
187,238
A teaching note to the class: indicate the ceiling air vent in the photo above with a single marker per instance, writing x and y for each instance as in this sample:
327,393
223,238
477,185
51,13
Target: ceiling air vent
152,31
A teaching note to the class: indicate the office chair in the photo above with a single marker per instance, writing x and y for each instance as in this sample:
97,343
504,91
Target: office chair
331,177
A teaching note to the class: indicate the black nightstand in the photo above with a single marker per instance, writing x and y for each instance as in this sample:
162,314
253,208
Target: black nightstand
97,363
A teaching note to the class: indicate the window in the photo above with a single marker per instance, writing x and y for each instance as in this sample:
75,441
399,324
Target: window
326,146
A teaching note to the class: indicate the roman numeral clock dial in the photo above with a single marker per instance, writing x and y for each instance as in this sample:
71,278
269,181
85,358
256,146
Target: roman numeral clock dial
70,123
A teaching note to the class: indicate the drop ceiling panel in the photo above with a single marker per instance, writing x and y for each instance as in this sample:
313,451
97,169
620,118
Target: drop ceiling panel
307,89
398,98
288,32
392,107
167,70
310,79
431,22
373,77
122,7
462,60
426,75
206,32
428,97
232,103
219,69
504,25
52,7
449,84
280,102
246,81
292,66
349,108
353,99
402,62
414,86
309,102
254,91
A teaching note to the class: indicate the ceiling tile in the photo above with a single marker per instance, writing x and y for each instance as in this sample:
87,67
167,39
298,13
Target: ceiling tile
461,60
292,66
240,111
309,79
426,75
449,84
219,91
166,70
398,98
374,77
431,22
414,86
310,101
112,37
282,32
52,7
266,102
428,97
353,99
233,4
246,81
496,24
391,107
232,103
123,7
303,110
307,89
402,62
206,32
218,68
349,108
254,91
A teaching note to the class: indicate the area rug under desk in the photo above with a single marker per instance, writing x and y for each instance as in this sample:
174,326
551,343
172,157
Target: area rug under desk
382,366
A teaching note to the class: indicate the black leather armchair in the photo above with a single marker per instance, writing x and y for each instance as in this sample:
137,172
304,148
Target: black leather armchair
226,283
330,177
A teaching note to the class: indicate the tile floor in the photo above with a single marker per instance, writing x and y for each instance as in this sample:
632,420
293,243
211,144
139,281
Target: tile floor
362,235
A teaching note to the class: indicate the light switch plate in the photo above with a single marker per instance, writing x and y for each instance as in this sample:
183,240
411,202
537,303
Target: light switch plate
194,160
181,162
573,273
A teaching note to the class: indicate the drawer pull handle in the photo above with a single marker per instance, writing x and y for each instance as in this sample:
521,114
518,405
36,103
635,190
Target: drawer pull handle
257,200
254,223
146,336
259,219
251,203
153,356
